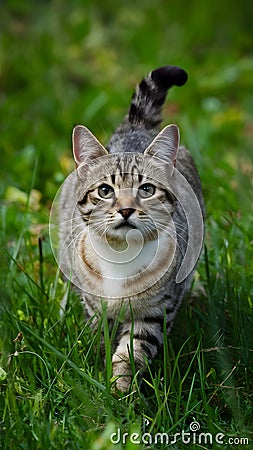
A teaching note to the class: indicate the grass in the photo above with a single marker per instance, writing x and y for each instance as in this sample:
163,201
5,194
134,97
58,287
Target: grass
67,63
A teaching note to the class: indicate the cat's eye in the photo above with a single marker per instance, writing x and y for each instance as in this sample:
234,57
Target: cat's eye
146,190
105,191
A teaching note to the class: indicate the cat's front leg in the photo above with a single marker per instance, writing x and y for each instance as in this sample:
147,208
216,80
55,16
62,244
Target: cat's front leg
147,338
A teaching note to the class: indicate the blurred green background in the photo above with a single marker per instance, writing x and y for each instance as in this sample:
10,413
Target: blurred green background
64,63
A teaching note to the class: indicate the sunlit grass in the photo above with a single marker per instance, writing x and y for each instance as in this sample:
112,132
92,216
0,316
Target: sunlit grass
56,376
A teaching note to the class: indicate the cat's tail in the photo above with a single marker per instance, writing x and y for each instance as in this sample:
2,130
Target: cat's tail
149,96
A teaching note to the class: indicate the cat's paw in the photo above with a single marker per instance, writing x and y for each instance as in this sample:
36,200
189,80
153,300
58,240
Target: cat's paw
122,373
122,384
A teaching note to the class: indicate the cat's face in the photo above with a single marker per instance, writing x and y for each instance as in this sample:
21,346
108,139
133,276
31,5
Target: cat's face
131,195
125,192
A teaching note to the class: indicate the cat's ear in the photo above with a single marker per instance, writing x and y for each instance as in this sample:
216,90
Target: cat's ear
86,145
165,145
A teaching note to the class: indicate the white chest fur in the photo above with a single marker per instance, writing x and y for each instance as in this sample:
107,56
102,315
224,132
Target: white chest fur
125,272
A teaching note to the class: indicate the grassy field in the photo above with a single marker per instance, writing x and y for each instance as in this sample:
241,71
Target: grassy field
64,63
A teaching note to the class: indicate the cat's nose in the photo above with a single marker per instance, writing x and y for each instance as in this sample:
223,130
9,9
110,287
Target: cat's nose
126,212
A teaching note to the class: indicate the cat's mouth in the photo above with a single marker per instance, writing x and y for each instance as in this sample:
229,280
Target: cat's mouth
126,225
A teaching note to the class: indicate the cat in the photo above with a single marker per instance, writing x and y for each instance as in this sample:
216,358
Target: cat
126,238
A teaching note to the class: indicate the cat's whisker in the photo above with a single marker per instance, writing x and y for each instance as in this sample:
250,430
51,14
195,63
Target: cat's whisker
184,241
65,222
168,229
175,225
76,237
72,232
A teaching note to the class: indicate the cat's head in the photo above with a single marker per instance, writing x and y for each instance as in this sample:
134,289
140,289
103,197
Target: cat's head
123,192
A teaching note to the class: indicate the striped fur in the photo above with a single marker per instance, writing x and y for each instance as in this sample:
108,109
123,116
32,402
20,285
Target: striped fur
123,232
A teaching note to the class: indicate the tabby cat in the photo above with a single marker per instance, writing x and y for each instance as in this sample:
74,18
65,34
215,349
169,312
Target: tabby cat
131,224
